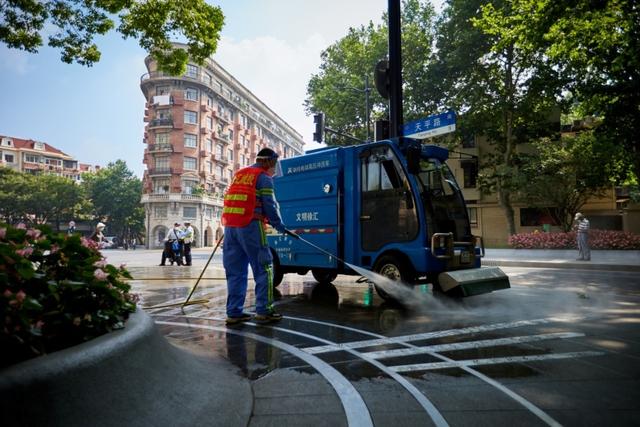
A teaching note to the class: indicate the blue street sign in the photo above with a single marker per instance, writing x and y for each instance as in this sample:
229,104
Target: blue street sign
428,127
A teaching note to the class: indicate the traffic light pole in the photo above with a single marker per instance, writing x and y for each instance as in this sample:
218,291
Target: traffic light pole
395,70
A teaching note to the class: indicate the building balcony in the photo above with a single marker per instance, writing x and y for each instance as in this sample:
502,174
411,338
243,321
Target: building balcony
161,123
161,171
223,137
160,148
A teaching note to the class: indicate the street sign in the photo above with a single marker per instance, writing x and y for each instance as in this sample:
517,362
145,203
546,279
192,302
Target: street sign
428,127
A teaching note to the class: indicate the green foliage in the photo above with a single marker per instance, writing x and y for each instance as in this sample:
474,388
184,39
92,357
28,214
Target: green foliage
152,22
566,173
338,90
39,198
115,192
56,291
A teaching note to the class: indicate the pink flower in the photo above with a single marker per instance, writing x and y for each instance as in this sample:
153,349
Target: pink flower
7,293
100,264
89,243
21,226
20,296
25,252
99,274
33,233
3,233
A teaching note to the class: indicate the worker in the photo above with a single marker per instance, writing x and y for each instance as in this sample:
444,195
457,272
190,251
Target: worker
187,239
249,205
581,226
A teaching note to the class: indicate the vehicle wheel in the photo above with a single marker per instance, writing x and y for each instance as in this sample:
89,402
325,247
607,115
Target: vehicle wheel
393,268
324,277
278,274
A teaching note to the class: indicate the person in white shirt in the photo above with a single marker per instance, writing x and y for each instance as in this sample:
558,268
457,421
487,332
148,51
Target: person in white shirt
582,228
187,239
174,236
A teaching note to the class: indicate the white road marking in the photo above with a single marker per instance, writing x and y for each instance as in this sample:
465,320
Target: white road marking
493,361
431,335
470,344
354,407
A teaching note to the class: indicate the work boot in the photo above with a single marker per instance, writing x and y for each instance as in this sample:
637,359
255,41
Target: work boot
267,318
232,320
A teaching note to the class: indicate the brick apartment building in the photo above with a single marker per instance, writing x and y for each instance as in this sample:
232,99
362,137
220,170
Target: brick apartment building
201,128
29,156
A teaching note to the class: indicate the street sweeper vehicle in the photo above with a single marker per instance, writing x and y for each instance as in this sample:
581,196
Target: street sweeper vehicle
390,206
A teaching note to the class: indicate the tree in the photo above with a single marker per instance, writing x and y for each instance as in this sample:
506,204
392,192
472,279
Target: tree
72,26
595,44
500,84
116,193
346,62
561,175
39,198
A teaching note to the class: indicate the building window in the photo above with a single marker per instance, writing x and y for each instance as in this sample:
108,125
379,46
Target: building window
162,162
230,155
230,135
209,145
243,142
208,213
190,163
535,217
8,158
190,140
218,151
219,172
38,146
30,158
242,160
209,167
470,169
162,138
469,141
206,77
163,114
188,186
191,94
160,186
163,90
160,211
243,120
209,122
189,212
53,162
192,71
473,216
209,101
191,117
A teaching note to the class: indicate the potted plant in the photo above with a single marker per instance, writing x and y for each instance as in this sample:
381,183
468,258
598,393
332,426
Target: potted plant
56,291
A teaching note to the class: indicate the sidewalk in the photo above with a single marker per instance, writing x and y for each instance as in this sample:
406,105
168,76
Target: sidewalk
611,260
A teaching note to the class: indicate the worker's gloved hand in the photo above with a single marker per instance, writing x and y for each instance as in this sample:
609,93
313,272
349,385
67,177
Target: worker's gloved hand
291,233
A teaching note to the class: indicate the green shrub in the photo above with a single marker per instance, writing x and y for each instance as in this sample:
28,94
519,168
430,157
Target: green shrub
56,291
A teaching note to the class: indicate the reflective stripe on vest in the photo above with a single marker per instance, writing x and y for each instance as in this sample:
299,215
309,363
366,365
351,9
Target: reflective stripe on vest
240,200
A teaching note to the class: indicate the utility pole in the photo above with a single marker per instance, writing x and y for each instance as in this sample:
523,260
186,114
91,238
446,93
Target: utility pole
395,70
367,90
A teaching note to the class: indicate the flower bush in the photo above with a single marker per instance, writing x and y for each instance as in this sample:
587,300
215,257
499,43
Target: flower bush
598,239
56,291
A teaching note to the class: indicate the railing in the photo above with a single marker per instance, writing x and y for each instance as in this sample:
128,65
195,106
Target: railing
160,171
160,147
161,122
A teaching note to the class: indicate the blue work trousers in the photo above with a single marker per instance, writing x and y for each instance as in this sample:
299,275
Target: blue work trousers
243,246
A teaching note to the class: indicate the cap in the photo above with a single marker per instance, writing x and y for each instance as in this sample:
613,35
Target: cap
176,223
187,222
579,216
100,225
266,154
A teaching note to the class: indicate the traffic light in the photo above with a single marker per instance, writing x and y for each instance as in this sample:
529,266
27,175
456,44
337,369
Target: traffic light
318,135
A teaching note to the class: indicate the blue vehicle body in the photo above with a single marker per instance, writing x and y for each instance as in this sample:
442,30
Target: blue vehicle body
390,206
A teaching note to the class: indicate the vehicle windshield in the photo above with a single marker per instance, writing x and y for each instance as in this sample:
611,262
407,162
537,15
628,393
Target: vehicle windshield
442,199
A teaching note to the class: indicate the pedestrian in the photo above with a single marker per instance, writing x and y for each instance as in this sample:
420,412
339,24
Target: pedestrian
172,246
219,232
98,235
582,228
187,239
133,243
249,205
72,228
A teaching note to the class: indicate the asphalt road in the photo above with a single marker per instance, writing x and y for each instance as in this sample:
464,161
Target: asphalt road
561,347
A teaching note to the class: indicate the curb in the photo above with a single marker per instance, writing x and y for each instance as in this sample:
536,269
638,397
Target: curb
131,377
564,265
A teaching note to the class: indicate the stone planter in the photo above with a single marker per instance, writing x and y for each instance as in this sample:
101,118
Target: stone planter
130,377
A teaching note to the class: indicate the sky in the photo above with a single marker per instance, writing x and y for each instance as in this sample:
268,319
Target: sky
95,114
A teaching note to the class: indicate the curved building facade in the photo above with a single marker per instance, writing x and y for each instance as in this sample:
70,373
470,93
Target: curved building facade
201,127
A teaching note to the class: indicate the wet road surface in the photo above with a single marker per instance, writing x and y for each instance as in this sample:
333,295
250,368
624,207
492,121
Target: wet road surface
561,347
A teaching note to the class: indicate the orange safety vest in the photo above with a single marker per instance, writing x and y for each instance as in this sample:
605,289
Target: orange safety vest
240,200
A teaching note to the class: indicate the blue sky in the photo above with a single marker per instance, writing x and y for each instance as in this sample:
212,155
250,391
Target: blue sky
95,114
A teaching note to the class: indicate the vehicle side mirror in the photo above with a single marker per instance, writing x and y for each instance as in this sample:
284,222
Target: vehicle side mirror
413,160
